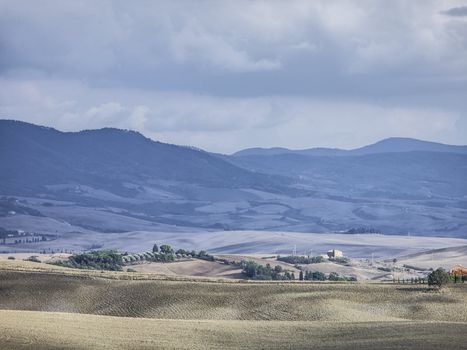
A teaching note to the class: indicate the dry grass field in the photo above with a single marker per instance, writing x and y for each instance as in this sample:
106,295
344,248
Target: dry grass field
51,307
50,330
193,267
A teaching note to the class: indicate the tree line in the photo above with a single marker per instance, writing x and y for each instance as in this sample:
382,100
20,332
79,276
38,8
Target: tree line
302,260
257,271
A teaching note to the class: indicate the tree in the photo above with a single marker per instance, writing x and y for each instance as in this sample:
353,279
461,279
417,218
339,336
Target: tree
300,277
278,268
438,278
166,249
249,268
155,248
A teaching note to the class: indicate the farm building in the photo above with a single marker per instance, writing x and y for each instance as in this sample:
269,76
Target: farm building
334,253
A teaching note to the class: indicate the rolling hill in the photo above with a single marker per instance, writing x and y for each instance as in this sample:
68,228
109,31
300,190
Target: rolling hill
112,180
389,145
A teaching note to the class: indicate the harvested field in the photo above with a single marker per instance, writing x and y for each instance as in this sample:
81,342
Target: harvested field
190,268
40,256
446,258
229,301
49,307
41,330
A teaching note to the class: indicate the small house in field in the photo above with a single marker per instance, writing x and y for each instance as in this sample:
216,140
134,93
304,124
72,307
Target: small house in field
334,253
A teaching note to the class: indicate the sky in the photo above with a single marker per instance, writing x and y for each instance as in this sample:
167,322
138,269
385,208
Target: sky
228,75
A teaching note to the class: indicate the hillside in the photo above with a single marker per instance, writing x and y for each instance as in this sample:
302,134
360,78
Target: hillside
186,299
417,175
115,181
116,160
43,310
51,330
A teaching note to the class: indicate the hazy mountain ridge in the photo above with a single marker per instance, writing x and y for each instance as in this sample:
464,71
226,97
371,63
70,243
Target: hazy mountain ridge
389,145
108,157
112,180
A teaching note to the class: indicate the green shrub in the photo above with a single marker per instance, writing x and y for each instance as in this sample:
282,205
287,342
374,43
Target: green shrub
96,260
166,249
33,258
303,260
260,272
438,278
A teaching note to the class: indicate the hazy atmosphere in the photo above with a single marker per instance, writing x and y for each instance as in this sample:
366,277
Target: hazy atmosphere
233,174
227,75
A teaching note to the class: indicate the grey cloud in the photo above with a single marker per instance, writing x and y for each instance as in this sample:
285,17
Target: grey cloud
249,73
456,12
225,124
233,48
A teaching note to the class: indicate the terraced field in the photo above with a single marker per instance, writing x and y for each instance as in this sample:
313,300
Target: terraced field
194,314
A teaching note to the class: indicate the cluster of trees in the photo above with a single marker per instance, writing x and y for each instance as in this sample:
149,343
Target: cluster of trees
302,260
412,280
319,276
440,277
161,256
33,258
96,260
202,254
165,253
312,276
363,229
21,237
340,260
437,278
30,240
256,271
5,232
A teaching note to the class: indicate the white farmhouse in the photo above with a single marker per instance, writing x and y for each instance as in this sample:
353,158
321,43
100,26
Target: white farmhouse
334,253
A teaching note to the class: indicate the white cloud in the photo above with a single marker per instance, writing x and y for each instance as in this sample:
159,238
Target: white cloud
241,36
233,74
226,124
193,42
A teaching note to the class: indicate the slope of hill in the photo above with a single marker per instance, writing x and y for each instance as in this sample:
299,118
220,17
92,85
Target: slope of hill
52,330
402,175
33,157
44,310
112,180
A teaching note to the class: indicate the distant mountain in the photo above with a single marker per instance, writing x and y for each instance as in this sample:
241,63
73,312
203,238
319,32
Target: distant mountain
111,180
398,145
388,175
33,157
390,145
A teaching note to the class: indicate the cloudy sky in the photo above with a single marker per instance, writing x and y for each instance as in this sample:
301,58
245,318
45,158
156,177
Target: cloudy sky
226,75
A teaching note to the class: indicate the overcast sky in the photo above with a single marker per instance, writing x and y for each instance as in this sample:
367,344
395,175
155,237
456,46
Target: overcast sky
227,75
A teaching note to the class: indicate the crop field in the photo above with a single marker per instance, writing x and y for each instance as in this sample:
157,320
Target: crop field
59,307
193,267
50,330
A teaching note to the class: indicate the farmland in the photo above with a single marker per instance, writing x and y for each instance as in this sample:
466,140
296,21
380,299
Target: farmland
55,303
54,330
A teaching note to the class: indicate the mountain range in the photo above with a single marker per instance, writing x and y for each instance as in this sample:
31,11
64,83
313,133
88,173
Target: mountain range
113,180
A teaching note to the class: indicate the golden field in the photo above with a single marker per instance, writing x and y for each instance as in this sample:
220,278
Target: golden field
51,307
50,330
